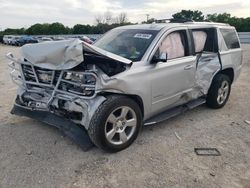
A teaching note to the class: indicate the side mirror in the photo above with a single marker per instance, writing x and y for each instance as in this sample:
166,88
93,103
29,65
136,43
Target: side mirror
159,58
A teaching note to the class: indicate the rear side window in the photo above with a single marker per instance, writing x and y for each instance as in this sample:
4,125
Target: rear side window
230,38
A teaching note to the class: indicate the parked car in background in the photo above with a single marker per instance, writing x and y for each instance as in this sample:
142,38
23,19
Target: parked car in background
14,40
45,39
25,40
1,39
86,39
11,40
7,39
58,38
93,39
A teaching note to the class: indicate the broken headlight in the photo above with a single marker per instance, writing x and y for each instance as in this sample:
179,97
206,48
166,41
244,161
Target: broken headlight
78,83
82,78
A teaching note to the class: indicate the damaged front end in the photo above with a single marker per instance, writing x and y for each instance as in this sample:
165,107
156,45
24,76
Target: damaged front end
61,78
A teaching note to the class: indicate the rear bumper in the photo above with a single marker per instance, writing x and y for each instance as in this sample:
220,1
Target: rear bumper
76,132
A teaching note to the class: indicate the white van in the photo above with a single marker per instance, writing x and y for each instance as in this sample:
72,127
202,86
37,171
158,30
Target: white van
7,39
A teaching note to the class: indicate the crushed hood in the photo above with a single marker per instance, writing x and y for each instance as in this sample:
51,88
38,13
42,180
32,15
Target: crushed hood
98,51
66,54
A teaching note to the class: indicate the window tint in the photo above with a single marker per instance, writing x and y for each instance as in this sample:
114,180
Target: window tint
175,45
128,43
230,37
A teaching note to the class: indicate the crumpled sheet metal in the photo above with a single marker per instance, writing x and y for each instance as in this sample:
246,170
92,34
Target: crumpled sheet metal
87,108
63,55
98,51
208,65
58,55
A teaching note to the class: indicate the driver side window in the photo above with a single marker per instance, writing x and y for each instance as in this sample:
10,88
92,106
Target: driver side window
174,45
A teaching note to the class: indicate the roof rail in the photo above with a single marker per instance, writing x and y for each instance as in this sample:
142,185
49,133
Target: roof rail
189,21
172,20
209,23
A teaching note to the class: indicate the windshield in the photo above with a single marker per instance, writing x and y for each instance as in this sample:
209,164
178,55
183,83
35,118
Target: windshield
128,43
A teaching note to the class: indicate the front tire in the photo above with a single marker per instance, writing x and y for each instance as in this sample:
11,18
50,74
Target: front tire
219,91
116,123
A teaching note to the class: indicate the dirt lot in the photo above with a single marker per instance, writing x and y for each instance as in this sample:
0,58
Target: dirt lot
33,154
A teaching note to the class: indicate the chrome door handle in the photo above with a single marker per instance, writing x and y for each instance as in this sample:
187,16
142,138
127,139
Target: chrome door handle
188,67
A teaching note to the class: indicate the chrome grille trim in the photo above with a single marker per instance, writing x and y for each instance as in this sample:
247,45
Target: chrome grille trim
29,76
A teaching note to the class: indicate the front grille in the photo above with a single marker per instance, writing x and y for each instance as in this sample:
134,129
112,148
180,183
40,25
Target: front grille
28,73
55,80
56,77
40,75
44,76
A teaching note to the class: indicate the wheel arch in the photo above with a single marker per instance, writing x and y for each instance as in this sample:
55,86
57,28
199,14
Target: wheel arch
228,72
135,98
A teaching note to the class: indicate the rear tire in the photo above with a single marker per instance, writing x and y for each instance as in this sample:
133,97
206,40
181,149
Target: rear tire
116,123
219,91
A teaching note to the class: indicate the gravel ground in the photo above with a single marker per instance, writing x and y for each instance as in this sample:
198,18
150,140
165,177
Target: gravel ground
33,154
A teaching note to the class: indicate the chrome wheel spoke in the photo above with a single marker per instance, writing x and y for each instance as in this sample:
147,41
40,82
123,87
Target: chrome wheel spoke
112,119
223,92
225,88
111,134
123,137
223,85
220,91
130,123
124,112
219,99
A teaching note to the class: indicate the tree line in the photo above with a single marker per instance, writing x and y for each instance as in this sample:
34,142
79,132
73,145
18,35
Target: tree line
107,21
103,23
241,24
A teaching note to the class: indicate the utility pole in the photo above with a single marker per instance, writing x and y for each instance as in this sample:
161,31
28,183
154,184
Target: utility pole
147,17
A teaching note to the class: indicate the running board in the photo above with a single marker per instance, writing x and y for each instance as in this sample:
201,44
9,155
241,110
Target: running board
174,111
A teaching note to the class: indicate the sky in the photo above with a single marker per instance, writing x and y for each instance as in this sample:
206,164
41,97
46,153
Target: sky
24,13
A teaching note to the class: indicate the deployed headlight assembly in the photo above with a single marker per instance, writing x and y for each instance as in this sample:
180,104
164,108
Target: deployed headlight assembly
78,83
78,77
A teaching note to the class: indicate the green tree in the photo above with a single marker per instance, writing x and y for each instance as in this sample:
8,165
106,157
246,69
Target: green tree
82,29
38,29
48,29
10,31
195,15
241,24
223,18
56,28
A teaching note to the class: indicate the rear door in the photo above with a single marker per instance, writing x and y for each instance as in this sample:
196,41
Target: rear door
208,61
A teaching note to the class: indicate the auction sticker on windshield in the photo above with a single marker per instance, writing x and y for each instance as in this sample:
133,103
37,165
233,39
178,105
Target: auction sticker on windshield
143,36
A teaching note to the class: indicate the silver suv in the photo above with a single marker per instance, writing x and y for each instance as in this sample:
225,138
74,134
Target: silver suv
134,75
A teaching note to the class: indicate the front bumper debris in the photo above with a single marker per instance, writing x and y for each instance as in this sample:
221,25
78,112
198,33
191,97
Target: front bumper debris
75,132
53,91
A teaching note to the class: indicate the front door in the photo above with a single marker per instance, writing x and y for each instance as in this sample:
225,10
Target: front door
172,80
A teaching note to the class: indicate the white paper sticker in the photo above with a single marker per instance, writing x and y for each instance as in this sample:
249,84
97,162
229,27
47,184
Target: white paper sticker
143,36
